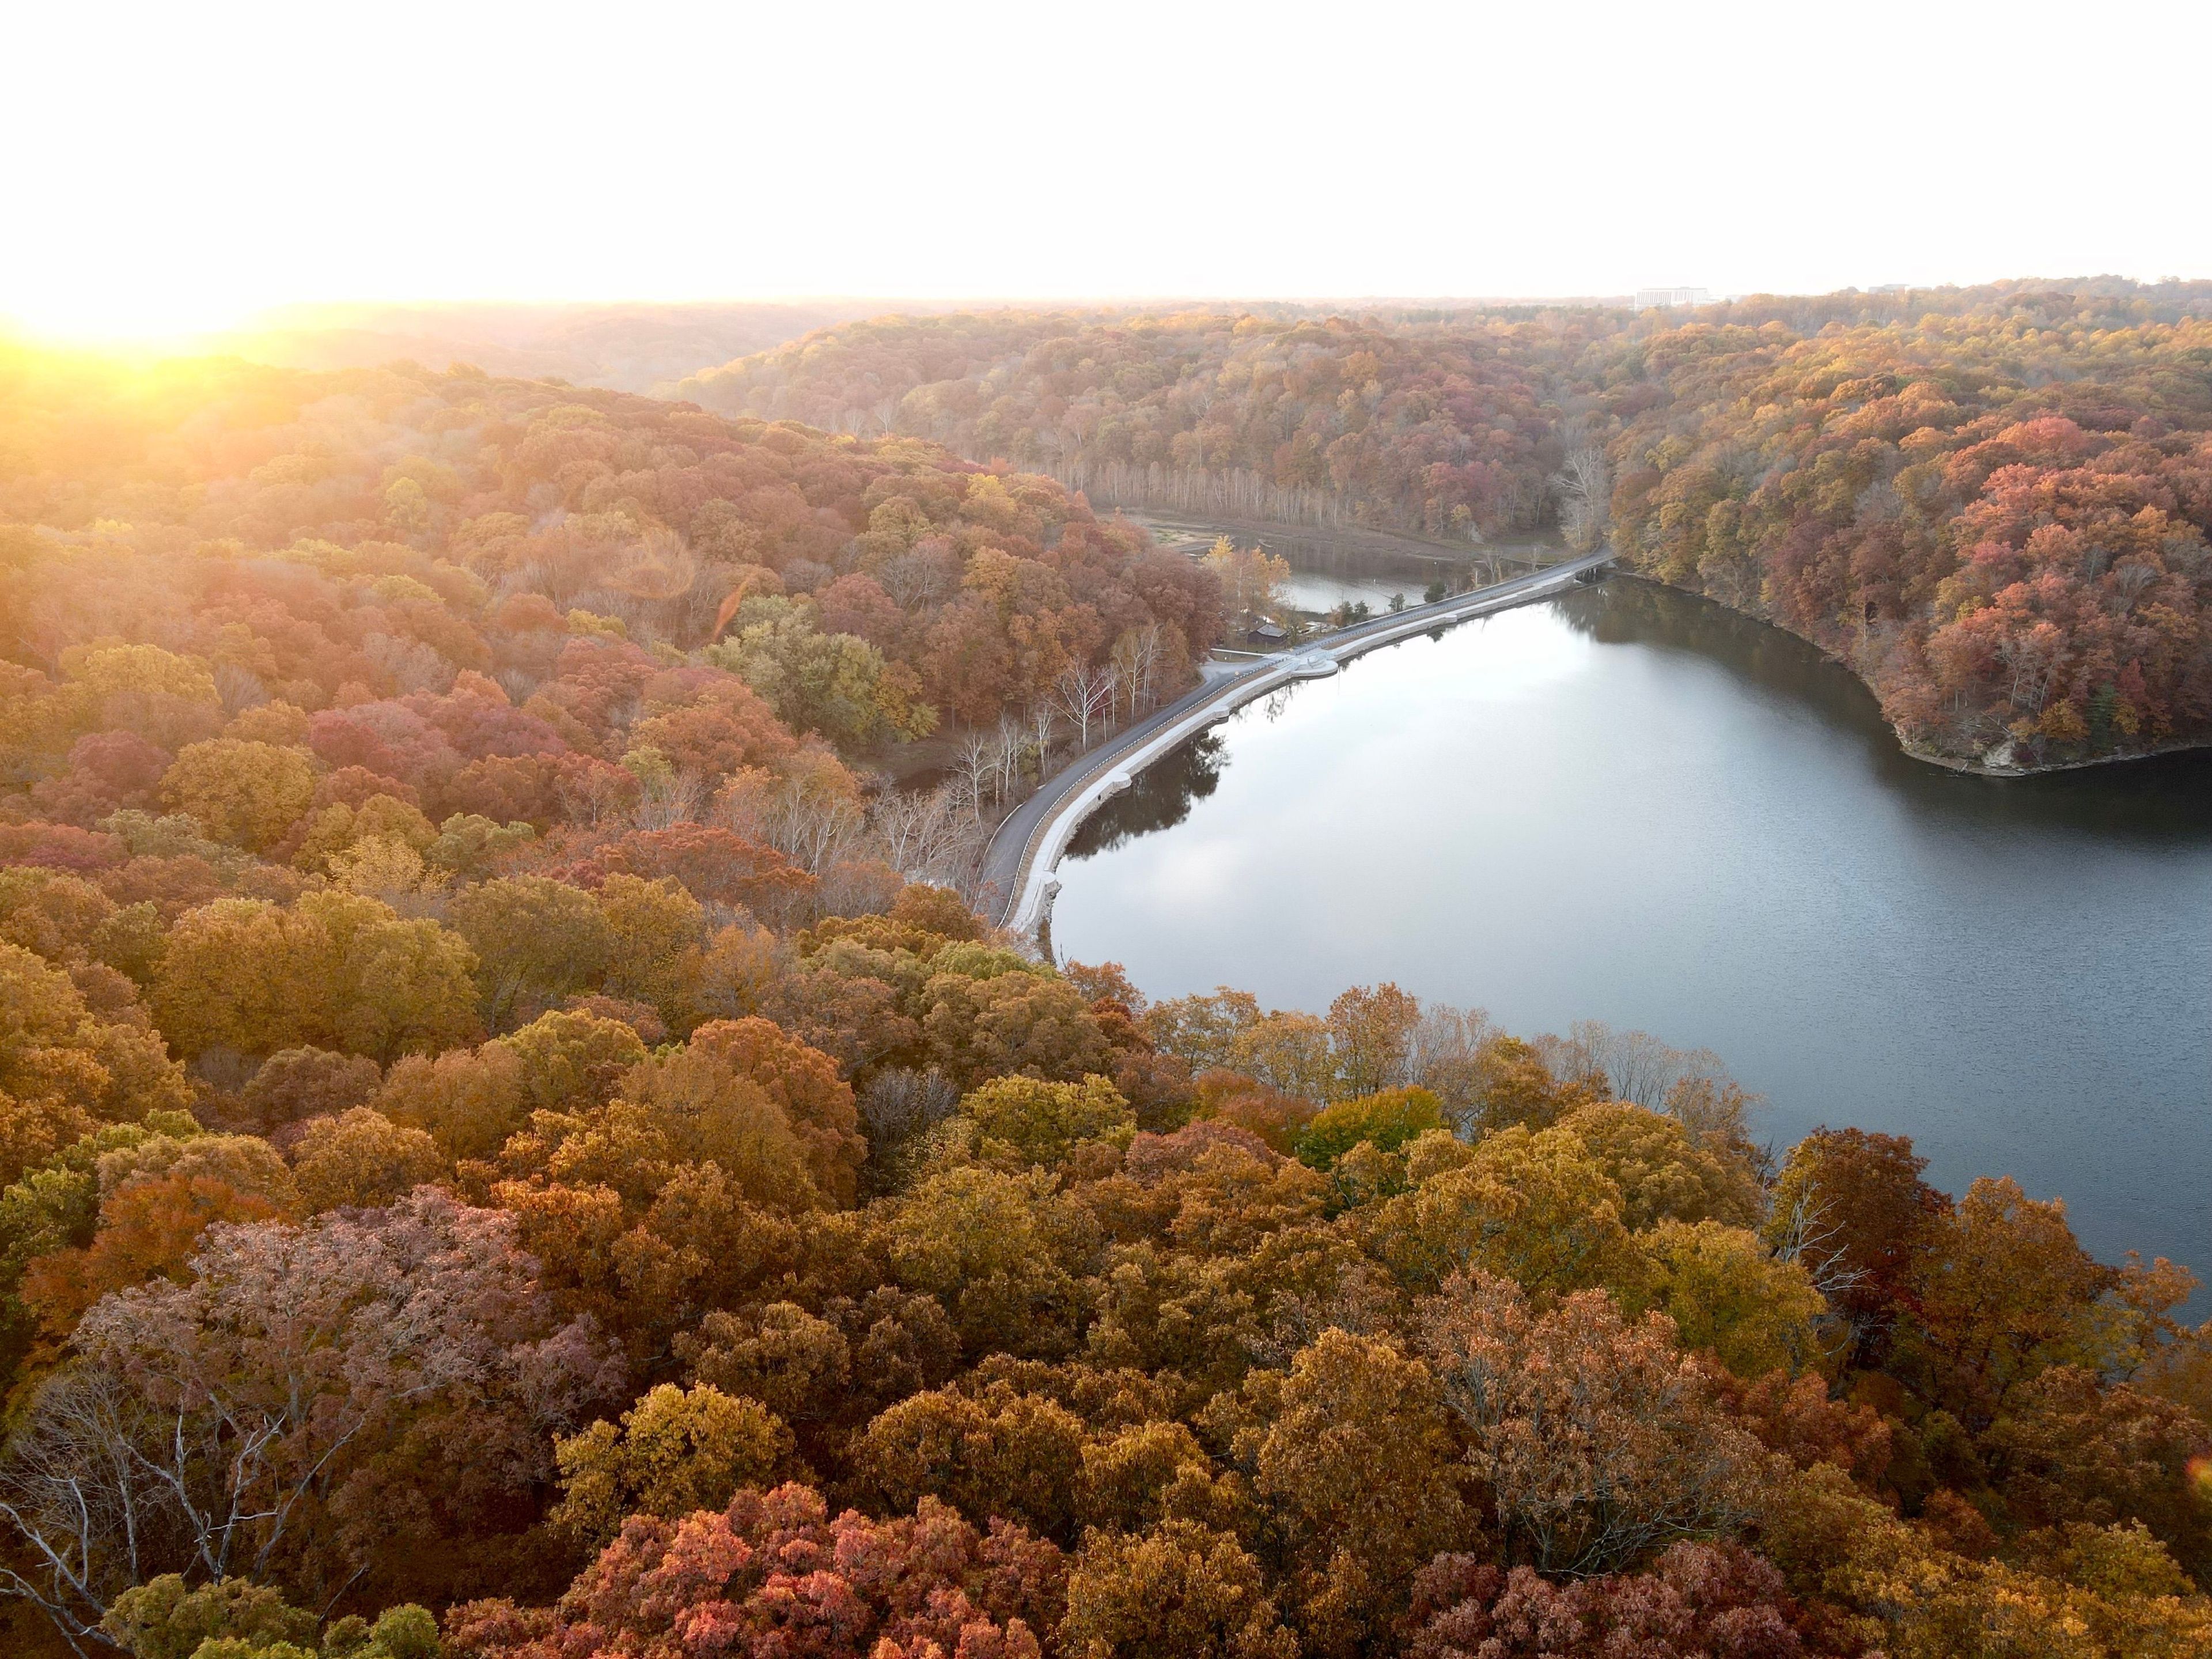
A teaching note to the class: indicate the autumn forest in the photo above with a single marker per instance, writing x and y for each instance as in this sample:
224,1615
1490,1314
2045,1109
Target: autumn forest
520,1138
1992,503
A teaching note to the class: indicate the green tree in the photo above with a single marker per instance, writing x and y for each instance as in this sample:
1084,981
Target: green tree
832,683
164,1618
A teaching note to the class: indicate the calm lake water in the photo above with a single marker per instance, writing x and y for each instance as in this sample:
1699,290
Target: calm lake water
1330,567
1631,806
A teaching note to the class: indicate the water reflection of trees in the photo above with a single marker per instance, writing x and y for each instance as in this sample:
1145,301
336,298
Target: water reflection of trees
1631,612
2166,797
1160,797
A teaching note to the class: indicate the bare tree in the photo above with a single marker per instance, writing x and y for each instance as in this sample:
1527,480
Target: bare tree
1442,1056
92,1515
666,798
933,836
204,1426
1010,747
1042,717
898,1103
1137,659
900,821
1635,1066
2034,658
977,761
599,798
1584,487
1110,695
806,816
1804,1234
1083,693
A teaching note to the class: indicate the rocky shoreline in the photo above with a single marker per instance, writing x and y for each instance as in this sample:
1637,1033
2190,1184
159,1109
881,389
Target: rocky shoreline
1997,763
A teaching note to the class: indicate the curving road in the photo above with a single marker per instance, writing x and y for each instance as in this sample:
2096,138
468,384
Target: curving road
1024,849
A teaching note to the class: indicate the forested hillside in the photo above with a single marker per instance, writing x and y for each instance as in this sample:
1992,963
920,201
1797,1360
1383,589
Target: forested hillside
506,1153
1438,427
1993,503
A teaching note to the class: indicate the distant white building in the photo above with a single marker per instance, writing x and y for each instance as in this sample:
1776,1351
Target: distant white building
1648,297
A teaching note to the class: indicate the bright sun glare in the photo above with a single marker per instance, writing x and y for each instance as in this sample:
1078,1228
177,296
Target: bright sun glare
237,157
127,313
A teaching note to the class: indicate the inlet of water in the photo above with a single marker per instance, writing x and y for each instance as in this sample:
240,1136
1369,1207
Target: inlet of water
1631,806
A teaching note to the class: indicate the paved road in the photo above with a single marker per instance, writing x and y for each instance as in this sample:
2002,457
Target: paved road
1009,862
1002,859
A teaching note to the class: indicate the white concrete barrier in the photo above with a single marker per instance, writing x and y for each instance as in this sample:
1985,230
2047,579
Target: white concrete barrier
1034,882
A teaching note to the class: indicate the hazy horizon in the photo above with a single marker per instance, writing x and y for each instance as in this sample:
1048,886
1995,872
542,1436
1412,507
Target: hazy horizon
334,317
248,156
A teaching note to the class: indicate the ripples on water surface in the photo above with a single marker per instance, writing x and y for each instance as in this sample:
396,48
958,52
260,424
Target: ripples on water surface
1631,806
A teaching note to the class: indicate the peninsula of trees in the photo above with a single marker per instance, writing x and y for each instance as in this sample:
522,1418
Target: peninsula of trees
1992,503
511,1148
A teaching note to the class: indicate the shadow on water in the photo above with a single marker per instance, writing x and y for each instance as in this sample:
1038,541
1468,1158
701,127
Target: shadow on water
1159,797
2159,797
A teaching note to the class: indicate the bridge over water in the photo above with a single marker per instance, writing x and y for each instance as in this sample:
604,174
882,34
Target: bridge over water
1027,847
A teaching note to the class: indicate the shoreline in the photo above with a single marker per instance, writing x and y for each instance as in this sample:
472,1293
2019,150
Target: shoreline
1027,845
1965,766
1978,770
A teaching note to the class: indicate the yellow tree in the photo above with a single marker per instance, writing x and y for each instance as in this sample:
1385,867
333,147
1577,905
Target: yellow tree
247,794
1663,1173
1250,578
744,1065
1003,1453
1180,1591
1535,1208
1289,1052
248,975
1357,1461
1023,1121
1727,1296
652,943
406,987
1371,1031
982,1243
337,971
363,1157
676,1451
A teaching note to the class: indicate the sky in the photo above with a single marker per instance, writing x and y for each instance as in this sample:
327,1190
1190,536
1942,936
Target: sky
170,169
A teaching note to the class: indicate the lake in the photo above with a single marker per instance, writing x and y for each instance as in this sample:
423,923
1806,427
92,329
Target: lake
1329,567
1632,805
